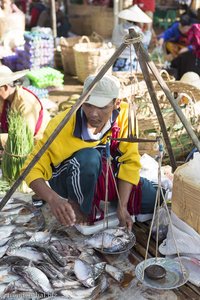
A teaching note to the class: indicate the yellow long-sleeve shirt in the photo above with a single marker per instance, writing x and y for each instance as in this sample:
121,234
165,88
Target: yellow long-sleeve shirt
66,143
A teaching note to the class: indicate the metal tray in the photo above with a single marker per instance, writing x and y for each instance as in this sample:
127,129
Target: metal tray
174,275
127,247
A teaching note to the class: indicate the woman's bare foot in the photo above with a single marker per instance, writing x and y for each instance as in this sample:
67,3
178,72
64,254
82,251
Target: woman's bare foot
81,218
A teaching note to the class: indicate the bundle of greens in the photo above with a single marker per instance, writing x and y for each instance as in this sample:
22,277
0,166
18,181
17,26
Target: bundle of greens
19,144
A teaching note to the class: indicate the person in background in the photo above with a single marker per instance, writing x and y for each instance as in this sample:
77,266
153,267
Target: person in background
16,97
131,18
147,6
74,165
174,39
36,8
8,7
45,20
189,61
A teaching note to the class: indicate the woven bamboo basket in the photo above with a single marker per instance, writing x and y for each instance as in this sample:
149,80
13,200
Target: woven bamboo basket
67,54
186,199
147,119
90,57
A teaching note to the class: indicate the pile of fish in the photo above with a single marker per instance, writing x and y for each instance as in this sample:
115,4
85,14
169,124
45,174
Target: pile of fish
46,264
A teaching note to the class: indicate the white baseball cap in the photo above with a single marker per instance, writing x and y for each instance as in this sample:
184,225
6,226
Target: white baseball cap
107,88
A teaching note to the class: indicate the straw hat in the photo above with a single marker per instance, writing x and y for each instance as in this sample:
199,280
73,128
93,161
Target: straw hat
134,14
7,76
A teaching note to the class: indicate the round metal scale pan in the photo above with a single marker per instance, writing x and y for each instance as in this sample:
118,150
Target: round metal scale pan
174,275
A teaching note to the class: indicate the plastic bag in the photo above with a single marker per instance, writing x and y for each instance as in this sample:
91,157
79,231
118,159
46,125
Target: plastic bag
162,220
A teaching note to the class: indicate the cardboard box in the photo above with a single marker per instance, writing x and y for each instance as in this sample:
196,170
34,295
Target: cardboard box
186,199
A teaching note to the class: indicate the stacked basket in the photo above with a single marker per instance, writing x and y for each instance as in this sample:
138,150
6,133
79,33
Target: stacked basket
91,56
147,119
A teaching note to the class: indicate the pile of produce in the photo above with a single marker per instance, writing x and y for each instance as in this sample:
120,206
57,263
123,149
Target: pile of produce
38,51
19,144
46,77
10,61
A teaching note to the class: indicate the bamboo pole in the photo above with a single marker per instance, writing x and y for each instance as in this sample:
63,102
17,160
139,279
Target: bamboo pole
53,17
154,99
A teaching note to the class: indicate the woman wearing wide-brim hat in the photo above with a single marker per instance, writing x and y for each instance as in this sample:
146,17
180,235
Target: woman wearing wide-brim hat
130,18
16,97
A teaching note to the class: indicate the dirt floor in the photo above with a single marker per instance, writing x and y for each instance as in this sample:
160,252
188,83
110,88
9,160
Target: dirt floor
71,86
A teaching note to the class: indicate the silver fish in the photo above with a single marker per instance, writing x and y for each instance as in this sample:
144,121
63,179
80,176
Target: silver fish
41,237
19,286
79,294
3,286
51,271
58,284
56,298
5,231
3,250
6,276
15,244
84,272
35,278
26,253
4,241
21,219
105,241
98,269
114,272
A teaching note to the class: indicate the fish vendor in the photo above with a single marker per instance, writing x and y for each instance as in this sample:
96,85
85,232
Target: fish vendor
16,97
70,175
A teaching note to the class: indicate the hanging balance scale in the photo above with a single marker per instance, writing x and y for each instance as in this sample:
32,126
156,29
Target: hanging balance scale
158,273
161,273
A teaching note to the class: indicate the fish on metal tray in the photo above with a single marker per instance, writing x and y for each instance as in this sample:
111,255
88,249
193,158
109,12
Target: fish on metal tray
106,241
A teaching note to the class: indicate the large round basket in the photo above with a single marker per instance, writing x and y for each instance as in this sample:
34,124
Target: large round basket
67,54
90,57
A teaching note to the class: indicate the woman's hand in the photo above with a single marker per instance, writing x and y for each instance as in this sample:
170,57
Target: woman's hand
125,218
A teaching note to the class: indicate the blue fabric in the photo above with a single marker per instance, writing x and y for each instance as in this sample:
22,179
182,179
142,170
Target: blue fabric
172,34
76,179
